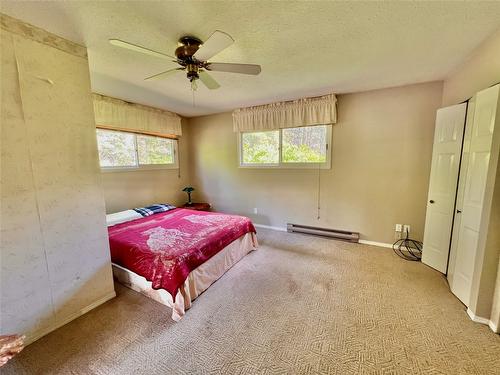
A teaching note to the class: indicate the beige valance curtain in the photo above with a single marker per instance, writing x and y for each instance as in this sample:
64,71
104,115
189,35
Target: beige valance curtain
117,114
320,110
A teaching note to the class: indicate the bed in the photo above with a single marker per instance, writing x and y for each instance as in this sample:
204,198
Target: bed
173,256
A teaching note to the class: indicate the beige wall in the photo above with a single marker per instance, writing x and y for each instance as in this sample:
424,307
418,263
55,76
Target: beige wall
382,146
480,71
55,255
125,190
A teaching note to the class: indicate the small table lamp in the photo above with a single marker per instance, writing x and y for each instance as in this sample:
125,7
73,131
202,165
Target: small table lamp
188,190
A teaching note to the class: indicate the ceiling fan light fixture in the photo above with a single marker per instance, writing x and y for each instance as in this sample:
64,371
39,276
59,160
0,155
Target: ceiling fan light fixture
192,72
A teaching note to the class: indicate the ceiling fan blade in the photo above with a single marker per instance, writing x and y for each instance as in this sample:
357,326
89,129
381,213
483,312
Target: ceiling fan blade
162,75
218,41
235,68
136,48
208,80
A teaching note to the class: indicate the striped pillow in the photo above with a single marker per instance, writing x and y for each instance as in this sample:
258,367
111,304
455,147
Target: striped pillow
154,209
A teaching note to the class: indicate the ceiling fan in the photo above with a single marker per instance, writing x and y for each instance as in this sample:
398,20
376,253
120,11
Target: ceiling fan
192,55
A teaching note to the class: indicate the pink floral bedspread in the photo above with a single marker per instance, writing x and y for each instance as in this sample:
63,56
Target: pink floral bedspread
164,248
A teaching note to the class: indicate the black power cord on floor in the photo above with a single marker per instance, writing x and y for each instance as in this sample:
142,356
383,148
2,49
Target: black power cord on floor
407,248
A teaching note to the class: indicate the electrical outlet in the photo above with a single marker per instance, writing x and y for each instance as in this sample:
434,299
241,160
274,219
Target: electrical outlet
399,227
406,228
255,210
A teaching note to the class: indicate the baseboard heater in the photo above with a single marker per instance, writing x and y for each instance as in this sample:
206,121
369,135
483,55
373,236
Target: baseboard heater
324,232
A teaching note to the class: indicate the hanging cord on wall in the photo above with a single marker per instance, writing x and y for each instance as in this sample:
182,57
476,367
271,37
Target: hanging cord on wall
319,192
408,249
178,160
319,186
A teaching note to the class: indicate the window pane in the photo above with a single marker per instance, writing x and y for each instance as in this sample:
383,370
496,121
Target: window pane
260,147
116,149
155,150
304,145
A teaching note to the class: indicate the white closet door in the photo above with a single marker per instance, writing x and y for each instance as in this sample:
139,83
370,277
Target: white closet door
475,185
464,165
448,135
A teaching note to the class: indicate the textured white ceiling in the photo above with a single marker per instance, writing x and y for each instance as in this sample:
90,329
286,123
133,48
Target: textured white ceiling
305,48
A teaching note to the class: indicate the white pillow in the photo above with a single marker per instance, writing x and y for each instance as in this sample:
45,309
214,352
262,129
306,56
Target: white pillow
121,217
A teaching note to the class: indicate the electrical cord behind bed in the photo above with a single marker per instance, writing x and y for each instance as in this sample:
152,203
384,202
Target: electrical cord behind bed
408,249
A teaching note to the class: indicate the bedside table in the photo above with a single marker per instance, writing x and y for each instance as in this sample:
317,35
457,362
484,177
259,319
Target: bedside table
197,206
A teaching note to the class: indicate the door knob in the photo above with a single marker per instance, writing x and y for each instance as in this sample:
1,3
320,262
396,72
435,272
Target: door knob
431,201
459,212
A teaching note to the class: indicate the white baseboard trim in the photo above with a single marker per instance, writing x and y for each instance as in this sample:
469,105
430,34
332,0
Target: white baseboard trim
374,243
494,327
476,318
364,242
279,229
32,337
480,320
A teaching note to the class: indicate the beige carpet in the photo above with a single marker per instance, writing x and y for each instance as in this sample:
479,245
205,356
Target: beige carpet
298,305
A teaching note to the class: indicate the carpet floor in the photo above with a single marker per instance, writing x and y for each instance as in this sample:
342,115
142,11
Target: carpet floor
298,305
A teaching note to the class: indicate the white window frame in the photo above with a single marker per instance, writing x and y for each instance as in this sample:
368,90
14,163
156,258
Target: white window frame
282,165
142,167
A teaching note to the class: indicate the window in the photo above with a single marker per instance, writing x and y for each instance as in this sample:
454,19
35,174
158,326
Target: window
260,147
125,151
304,147
155,150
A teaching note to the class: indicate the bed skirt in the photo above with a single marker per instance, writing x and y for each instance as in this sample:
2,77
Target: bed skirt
197,281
